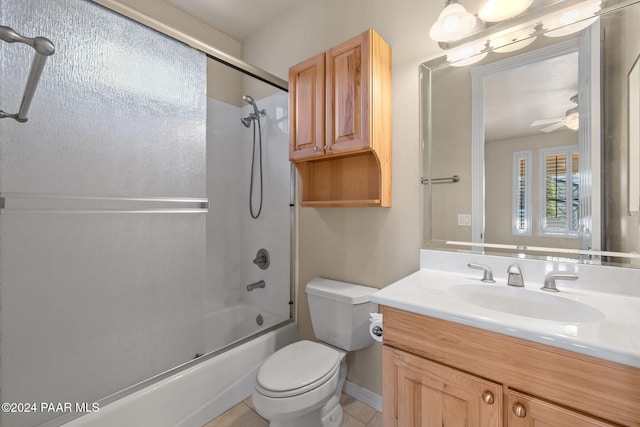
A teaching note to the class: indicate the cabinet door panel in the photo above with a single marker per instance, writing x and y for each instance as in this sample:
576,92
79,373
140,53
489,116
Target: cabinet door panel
428,394
347,95
306,103
538,413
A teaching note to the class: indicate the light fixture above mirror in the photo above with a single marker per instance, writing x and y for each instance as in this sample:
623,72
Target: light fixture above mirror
453,23
500,10
507,25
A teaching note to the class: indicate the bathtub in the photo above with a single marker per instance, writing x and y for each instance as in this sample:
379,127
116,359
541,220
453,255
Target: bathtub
200,390
229,324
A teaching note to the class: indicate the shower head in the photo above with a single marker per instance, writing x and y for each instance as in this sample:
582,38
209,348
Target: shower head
256,113
249,100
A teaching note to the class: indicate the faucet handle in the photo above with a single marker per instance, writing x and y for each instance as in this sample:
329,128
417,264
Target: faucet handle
514,276
487,276
550,280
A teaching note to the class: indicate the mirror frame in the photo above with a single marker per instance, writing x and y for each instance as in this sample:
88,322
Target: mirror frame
592,256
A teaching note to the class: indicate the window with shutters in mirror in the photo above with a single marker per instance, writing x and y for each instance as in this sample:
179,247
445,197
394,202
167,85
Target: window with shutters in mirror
559,192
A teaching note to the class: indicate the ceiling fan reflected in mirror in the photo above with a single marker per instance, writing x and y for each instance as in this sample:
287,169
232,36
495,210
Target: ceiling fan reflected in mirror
569,120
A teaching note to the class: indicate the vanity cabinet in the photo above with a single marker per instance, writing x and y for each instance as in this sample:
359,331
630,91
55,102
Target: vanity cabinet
438,373
430,394
340,124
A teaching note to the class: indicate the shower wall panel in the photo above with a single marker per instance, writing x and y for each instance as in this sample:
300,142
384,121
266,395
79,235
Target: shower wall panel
98,293
233,237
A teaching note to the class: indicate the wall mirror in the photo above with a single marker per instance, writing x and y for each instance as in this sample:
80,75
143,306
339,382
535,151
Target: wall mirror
528,146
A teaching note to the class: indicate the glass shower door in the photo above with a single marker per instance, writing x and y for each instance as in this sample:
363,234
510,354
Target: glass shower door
102,221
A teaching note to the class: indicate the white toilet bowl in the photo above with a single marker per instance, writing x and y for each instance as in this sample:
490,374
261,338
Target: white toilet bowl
300,385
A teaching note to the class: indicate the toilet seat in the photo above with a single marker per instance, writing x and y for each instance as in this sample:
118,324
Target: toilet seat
297,369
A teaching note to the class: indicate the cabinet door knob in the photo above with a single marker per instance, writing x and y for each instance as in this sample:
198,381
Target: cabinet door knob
316,149
487,397
327,147
519,410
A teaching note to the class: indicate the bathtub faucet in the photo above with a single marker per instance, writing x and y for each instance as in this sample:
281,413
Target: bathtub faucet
258,284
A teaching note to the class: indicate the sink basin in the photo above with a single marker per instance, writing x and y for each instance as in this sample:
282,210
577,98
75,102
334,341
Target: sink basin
522,302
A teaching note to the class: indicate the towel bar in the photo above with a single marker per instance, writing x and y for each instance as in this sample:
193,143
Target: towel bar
44,48
452,179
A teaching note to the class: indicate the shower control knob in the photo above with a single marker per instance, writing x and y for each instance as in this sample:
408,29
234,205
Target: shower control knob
262,259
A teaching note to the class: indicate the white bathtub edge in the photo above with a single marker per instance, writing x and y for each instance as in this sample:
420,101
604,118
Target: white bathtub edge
197,395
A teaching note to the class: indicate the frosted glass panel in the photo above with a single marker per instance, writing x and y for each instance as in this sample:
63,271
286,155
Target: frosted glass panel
92,303
118,110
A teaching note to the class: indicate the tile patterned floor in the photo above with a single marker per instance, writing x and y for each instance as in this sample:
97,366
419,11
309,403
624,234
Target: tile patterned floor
356,414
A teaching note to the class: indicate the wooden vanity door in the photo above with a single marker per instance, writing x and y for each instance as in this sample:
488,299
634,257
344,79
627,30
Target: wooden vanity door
427,394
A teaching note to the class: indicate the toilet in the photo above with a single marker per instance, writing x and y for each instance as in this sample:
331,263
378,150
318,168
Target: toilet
301,384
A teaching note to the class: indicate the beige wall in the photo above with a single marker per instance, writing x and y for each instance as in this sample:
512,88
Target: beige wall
621,48
498,160
369,246
451,151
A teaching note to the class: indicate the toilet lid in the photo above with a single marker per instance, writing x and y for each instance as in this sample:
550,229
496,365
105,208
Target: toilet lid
301,366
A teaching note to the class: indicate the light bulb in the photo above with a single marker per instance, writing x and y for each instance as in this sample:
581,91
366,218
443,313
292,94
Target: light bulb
572,20
499,10
453,23
466,55
572,121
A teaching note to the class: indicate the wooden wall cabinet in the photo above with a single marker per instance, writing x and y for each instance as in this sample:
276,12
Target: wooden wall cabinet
439,373
340,124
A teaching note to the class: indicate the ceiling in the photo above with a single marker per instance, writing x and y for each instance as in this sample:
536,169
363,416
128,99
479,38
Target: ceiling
514,99
236,18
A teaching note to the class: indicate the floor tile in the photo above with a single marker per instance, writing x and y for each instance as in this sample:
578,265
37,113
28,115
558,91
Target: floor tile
376,421
249,402
357,409
239,416
356,414
350,421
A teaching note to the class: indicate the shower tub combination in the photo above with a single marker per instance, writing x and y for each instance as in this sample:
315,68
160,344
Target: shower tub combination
193,396
106,287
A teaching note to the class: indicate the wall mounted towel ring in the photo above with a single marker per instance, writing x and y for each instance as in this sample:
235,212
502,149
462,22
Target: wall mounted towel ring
44,48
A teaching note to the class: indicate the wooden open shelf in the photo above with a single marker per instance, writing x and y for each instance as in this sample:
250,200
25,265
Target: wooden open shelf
350,181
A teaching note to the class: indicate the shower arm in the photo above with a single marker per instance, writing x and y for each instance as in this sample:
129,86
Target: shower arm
44,48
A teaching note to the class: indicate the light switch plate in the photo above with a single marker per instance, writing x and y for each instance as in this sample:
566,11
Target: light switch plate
464,220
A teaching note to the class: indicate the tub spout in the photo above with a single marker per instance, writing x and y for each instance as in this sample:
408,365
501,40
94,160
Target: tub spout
258,284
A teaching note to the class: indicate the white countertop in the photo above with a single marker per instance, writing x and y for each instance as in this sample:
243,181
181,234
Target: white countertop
615,338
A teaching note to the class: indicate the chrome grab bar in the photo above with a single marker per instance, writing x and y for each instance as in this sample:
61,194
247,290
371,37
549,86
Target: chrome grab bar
448,180
44,48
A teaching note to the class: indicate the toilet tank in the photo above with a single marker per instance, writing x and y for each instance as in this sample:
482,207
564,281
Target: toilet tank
340,312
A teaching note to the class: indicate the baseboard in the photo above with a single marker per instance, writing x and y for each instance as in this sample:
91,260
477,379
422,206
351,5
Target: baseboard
363,395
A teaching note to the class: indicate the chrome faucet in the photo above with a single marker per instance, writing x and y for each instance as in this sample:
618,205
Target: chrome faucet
514,276
550,280
487,276
258,284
